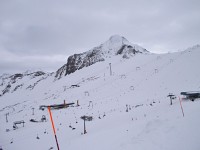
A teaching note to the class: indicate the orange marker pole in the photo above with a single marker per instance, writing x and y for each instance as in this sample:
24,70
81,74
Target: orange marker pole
52,123
181,106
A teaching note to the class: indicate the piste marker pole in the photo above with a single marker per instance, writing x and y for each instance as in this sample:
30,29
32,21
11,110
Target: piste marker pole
52,123
181,106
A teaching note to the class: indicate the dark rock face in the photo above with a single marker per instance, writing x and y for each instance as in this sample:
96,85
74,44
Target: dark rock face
17,87
127,51
61,72
15,77
14,82
79,61
7,89
36,74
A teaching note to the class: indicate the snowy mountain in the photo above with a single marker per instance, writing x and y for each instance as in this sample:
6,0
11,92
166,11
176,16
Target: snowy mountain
128,103
116,45
12,83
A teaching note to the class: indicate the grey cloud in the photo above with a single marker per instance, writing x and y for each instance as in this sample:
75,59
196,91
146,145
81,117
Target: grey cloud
12,63
46,28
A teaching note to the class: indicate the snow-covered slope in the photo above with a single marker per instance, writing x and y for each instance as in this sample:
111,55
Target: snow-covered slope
129,106
27,80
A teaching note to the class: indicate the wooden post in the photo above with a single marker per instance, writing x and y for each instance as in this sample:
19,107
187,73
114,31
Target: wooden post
33,111
170,100
65,104
110,69
126,108
7,117
90,102
78,103
84,127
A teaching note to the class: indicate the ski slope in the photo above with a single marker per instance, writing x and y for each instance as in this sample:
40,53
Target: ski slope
140,83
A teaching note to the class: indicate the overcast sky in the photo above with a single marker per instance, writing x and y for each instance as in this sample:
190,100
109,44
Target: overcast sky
41,34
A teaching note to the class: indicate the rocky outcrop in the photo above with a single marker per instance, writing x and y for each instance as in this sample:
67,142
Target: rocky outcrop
79,61
12,83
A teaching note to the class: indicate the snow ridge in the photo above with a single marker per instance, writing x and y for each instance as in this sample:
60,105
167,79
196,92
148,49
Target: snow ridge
12,83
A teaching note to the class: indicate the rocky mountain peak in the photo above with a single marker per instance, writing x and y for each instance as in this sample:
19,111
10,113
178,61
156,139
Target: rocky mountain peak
115,45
